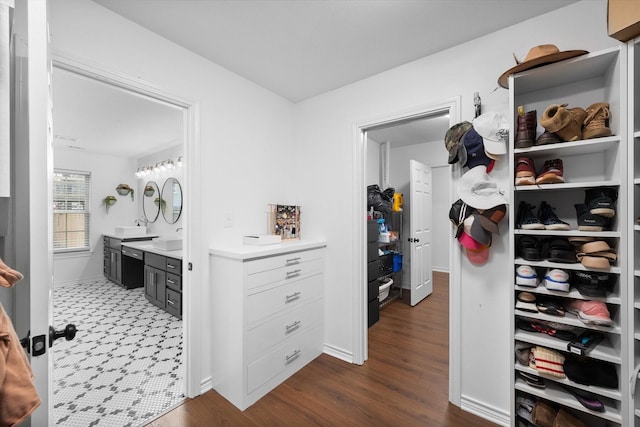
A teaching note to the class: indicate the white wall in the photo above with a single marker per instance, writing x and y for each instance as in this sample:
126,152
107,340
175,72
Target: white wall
373,164
325,135
431,154
106,173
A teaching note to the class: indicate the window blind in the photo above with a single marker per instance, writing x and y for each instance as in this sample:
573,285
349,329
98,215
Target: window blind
71,210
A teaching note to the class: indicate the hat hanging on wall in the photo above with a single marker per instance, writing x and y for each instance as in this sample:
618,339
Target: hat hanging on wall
478,190
494,130
538,55
453,144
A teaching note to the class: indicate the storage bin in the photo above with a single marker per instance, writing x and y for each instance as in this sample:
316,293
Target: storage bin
397,262
384,289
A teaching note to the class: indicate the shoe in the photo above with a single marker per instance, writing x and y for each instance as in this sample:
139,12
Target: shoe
525,171
550,307
552,172
592,284
526,131
596,124
556,280
548,217
590,312
601,201
564,122
588,221
527,220
558,249
548,138
526,276
529,248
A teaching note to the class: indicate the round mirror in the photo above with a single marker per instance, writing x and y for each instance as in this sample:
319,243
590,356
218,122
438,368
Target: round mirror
171,200
150,201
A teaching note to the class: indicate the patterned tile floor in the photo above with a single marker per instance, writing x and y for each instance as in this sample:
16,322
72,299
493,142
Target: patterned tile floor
125,364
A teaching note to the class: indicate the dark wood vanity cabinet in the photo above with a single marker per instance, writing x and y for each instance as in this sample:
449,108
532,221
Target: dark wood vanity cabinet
112,266
163,282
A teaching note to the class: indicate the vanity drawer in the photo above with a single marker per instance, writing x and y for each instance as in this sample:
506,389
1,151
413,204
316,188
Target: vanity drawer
134,253
291,272
283,327
155,260
279,261
286,296
173,266
174,281
174,303
285,359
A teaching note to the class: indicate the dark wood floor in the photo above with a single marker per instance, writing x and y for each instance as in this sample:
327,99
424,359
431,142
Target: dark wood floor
404,382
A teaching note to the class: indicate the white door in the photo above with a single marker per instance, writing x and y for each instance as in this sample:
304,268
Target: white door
420,231
32,197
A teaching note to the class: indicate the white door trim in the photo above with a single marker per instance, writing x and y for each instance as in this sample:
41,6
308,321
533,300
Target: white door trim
192,288
359,294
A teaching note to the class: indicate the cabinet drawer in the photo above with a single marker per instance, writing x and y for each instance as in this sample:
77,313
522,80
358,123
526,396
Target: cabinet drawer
285,359
279,261
174,281
372,251
155,260
372,231
174,302
115,243
173,265
373,290
134,253
286,296
291,272
373,270
283,327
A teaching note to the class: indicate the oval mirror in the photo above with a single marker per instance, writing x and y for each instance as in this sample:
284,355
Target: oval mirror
150,201
171,200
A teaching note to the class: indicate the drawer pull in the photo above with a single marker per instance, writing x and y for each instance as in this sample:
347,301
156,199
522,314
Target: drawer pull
295,260
292,326
171,281
170,302
293,273
291,357
293,296
171,266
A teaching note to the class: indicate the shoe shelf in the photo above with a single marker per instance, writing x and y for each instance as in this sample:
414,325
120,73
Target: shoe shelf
605,350
555,393
590,163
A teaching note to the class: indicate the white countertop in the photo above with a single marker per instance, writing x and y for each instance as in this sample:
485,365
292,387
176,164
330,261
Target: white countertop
127,238
147,246
243,252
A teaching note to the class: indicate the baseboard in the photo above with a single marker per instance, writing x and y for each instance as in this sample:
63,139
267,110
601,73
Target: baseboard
338,353
485,411
205,385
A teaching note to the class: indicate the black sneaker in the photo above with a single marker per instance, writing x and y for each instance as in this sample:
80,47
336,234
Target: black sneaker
529,248
601,201
592,284
526,218
588,221
549,219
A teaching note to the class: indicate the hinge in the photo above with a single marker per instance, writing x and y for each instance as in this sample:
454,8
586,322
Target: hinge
189,266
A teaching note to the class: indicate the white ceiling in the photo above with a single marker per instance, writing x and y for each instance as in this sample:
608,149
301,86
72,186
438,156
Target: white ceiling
297,49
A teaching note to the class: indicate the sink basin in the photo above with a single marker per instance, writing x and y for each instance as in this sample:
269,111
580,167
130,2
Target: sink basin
168,243
130,230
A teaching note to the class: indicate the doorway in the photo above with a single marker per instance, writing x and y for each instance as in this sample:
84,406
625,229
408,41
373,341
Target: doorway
127,362
452,107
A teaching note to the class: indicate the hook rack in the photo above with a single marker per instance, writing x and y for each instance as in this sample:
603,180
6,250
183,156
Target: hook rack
477,103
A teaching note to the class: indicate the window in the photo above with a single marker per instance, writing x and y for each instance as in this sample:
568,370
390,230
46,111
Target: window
71,210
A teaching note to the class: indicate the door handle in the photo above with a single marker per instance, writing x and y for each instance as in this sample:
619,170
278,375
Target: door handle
69,333
413,240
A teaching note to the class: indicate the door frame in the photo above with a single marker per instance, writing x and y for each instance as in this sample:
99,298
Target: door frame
359,294
192,290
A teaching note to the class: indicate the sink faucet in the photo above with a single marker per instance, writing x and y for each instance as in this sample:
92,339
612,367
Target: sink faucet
178,229
140,221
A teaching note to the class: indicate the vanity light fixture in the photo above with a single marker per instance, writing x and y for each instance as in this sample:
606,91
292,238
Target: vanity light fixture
160,167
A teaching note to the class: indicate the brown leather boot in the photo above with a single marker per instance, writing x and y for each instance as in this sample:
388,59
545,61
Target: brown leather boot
564,122
526,132
596,124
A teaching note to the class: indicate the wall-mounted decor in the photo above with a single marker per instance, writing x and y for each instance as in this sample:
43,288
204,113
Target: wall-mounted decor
109,201
284,220
151,202
124,189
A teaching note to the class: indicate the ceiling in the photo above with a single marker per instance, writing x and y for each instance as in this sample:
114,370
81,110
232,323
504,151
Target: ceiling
299,49
296,49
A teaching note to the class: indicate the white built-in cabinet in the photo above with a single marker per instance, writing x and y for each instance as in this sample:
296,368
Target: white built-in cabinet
581,81
267,312
633,275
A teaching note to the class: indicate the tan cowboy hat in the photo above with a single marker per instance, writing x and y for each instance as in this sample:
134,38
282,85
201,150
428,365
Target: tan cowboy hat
538,55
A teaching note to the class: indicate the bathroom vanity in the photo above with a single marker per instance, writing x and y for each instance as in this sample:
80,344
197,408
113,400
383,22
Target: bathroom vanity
113,261
267,315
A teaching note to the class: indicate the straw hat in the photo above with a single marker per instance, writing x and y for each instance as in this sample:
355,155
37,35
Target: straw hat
538,55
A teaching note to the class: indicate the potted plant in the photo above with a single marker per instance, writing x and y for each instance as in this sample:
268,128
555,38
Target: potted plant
159,201
124,189
109,201
149,190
